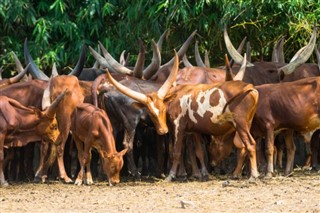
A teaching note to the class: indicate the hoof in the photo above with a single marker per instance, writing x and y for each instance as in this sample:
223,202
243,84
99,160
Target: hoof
67,180
268,175
205,178
89,182
136,176
37,180
315,168
235,177
4,184
253,179
288,174
78,182
168,179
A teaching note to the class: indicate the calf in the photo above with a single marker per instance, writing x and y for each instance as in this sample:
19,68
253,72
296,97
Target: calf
91,128
20,125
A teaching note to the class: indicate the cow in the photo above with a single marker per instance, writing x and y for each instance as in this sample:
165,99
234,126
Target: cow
295,70
91,128
20,125
122,114
214,109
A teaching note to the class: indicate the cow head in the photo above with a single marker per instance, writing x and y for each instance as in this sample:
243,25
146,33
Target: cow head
155,101
220,148
112,165
48,125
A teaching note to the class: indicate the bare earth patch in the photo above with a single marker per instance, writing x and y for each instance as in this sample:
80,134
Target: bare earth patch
299,193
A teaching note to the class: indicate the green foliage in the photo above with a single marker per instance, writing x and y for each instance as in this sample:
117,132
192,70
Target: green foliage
56,29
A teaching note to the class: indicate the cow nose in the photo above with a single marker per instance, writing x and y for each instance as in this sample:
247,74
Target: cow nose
113,182
163,131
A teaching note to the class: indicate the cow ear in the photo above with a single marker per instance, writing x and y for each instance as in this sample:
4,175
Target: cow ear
137,105
170,97
123,152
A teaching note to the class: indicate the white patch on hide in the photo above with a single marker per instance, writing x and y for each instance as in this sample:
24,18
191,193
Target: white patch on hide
203,102
184,106
156,110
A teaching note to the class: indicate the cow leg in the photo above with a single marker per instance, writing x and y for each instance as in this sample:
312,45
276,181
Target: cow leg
128,143
269,152
182,173
60,153
241,156
176,155
28,156
250,145
82,162
40,173
89,180
3,182
315,153
191,154
290,151
200,155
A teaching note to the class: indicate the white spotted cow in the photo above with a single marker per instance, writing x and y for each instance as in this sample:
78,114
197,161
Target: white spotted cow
213,109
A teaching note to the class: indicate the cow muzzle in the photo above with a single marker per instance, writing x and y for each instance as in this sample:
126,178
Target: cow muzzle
162,131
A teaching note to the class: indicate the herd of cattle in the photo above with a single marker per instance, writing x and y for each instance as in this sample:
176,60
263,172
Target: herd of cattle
174,110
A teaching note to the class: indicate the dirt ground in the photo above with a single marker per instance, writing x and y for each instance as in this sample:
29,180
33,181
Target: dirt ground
299,193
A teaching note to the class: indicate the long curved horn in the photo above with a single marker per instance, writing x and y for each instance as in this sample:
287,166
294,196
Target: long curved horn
54,72
162,92
20,75
237,57
318,55
277,52
206,58
101,60
160,41
186,62
297,54
127,60
229,75
1,70
112,63
122,60
155,63
33,69
138,67
20,70
280,52
248,51
79,66
239,50
183,49
96,63
46,97
140,97
51,110
242,70
197,56
303,56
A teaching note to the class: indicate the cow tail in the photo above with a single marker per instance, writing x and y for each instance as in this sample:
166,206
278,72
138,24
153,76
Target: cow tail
243,93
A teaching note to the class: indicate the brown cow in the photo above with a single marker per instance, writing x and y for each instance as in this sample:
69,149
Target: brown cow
91,128
214,109
76,96
20,125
